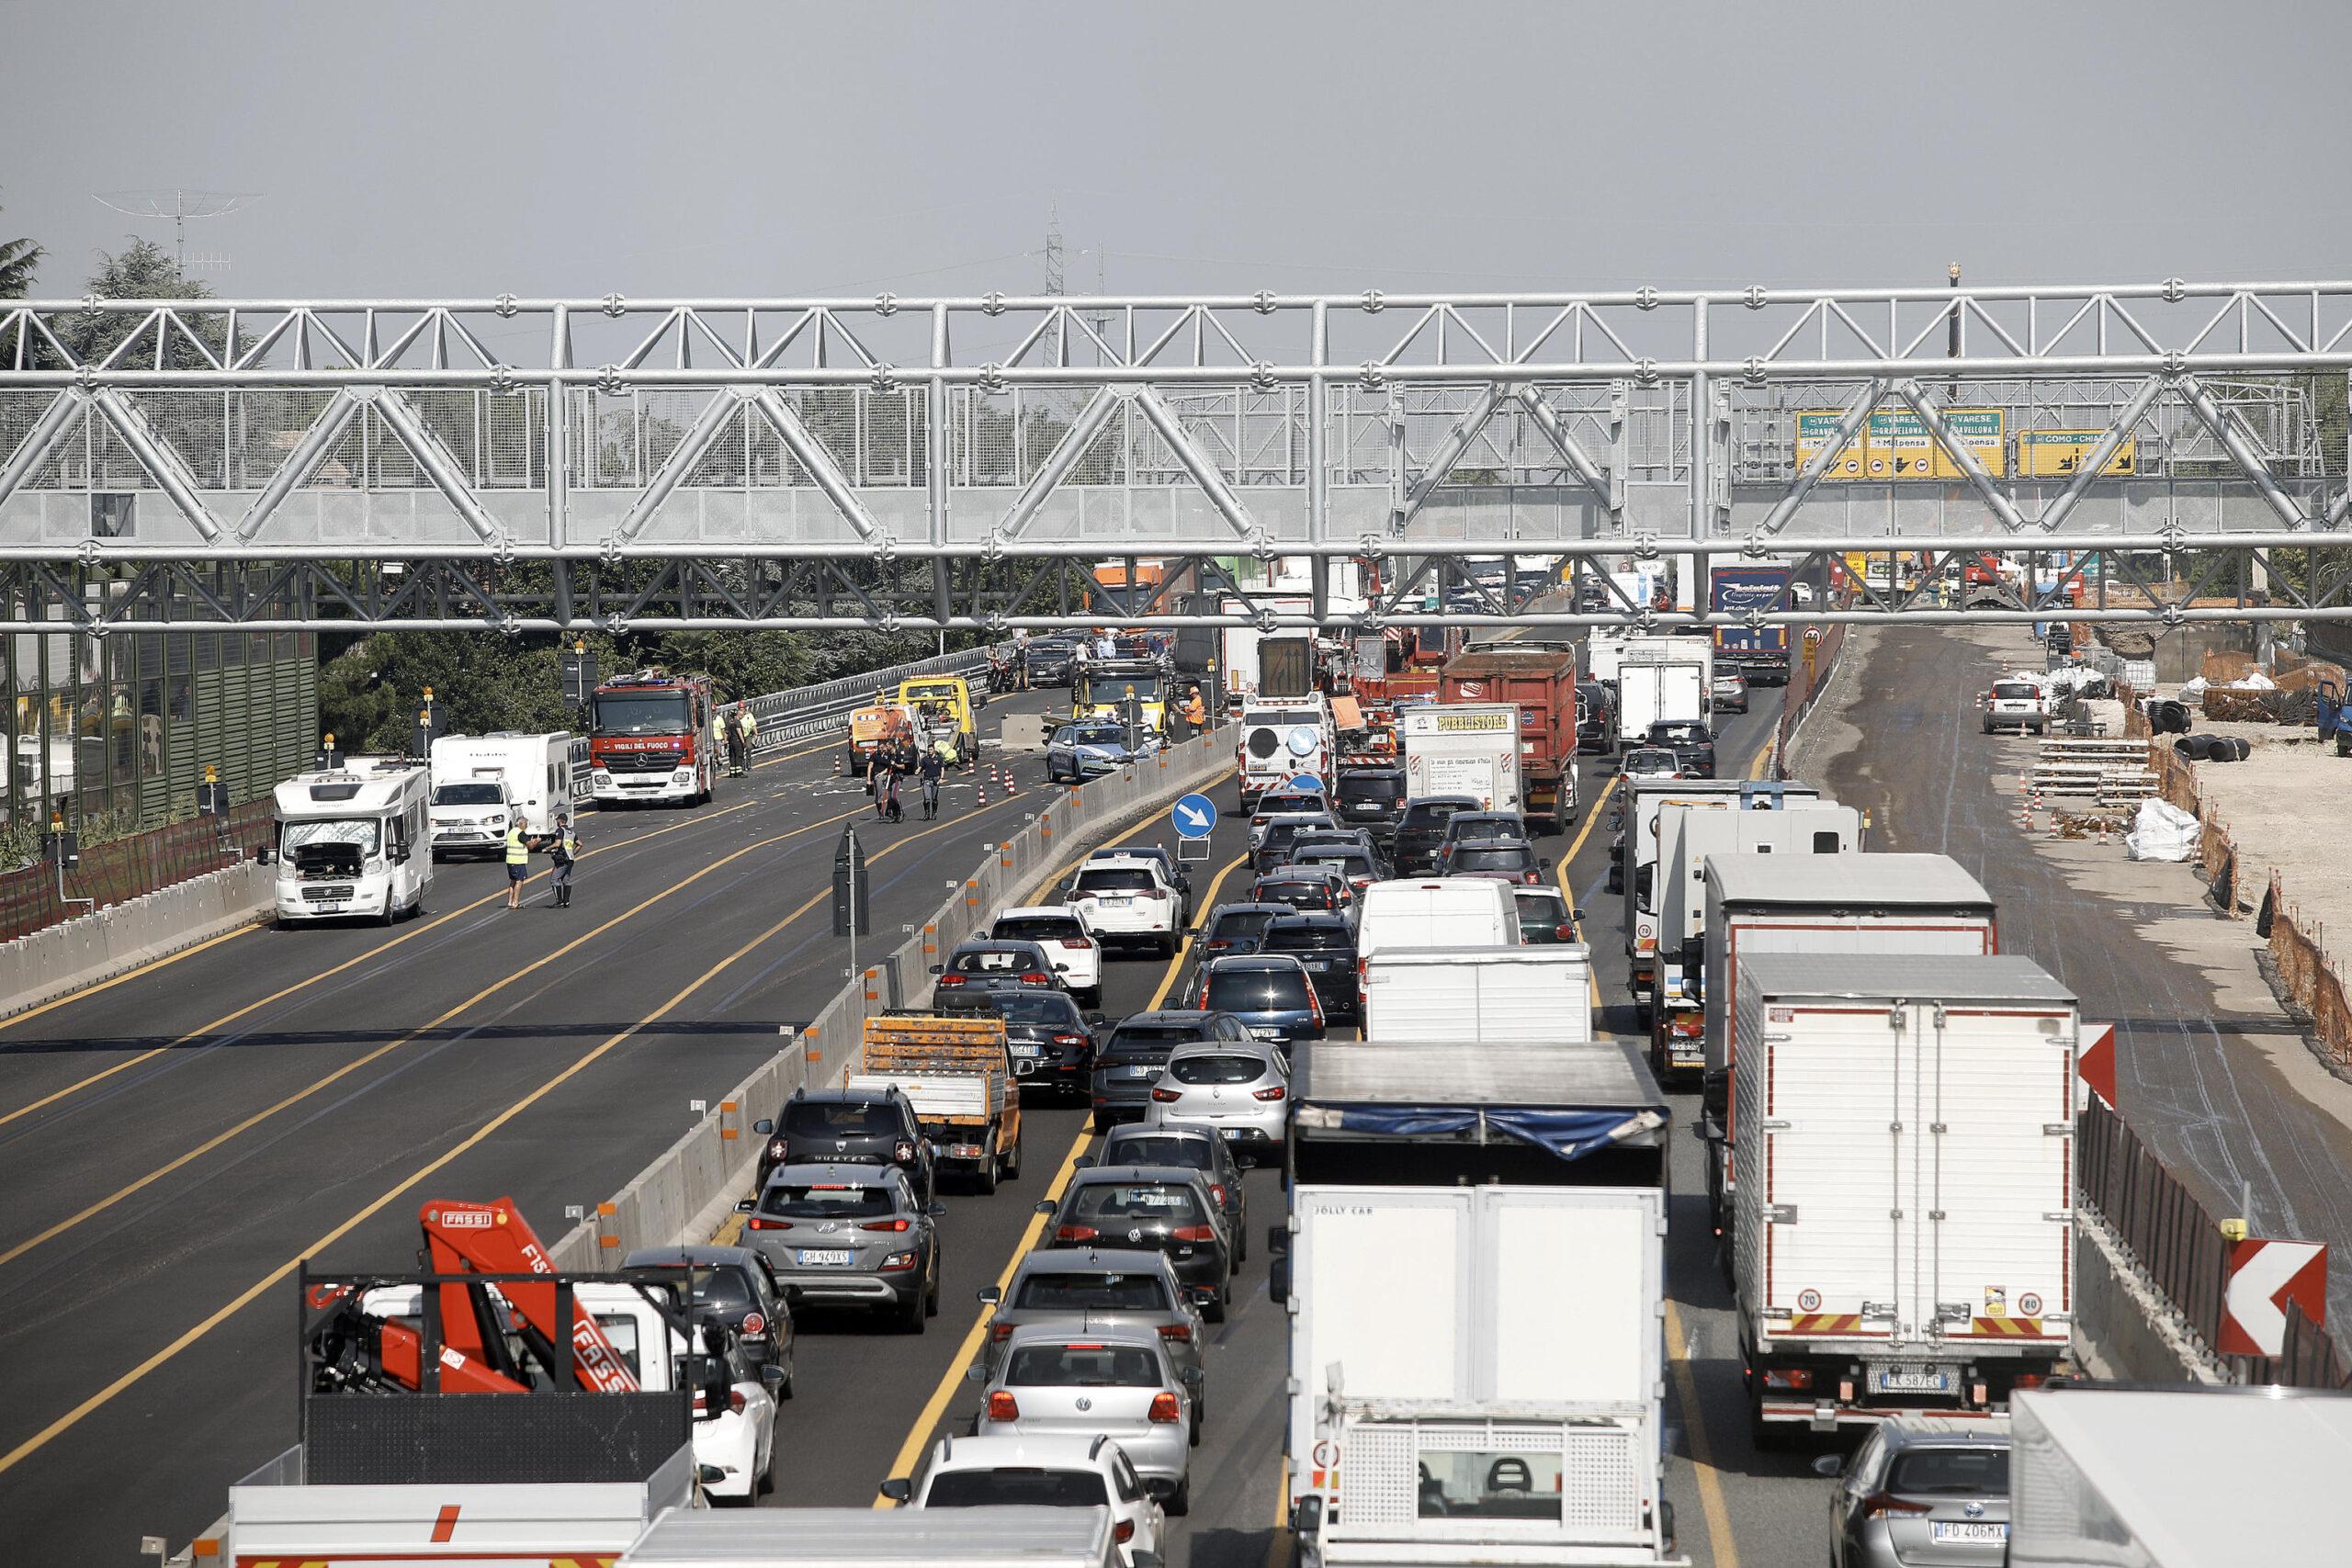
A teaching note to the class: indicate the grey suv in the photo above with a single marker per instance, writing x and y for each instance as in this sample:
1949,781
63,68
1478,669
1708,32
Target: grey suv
1128,1063
849,1236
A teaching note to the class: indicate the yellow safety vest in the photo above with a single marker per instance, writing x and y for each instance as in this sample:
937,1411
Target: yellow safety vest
517,851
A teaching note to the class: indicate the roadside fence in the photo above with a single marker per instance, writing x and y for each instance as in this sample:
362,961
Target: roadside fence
716,1157
2307,973
127,868
1804,690
811,710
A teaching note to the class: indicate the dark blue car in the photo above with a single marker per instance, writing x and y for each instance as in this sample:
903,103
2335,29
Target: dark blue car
1268,992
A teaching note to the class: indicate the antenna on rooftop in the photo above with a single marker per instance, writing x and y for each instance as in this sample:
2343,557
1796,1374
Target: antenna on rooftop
179,205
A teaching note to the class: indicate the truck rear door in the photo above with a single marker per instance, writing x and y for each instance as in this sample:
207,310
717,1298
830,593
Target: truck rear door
1838,1173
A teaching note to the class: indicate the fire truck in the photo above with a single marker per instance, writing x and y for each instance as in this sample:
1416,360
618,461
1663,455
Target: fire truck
654,736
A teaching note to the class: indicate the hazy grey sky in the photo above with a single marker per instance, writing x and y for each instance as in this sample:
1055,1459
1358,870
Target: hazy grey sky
416,150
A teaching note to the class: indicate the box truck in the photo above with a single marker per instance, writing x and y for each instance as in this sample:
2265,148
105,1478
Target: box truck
1493,994
1543,683
1904,1203
1688,835
1608,650
1004,1536
1464,749
1475,1268
1677,687
1861,903
1643,838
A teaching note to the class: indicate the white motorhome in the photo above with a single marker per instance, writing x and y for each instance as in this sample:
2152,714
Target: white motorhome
1642,843
1463,749
1688,836
354,840
541,775
1475,1268
1904,1194
1489,994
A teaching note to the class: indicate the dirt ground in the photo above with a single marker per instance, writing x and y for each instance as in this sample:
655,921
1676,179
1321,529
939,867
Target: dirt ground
2283,807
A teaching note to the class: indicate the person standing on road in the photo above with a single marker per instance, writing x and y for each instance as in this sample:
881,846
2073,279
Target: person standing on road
931,768
734,746
747,725
563,849
1196,712
518,862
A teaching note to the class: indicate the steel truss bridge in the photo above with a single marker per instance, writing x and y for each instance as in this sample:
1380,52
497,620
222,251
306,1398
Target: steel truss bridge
964,462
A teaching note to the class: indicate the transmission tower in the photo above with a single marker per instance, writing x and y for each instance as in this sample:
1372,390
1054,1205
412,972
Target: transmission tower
1054,284
179,205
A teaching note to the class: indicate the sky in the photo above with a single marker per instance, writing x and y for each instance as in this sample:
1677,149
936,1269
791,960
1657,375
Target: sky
423,150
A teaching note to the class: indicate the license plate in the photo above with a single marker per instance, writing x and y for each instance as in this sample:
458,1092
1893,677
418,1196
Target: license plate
824,1257
1267,1034
1911,1379
1139,1072
1679,1051
1113,903
1319,965
1990,1531
1028,1050
1229,1132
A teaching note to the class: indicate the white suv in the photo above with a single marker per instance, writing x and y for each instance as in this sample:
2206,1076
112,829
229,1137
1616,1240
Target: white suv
1062,931
2016,704
1130,899
1060,1472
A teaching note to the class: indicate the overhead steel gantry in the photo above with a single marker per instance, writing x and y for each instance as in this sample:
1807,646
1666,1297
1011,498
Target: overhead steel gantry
964,462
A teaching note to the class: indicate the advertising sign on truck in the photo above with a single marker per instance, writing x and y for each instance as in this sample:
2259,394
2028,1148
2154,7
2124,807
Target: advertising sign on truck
1760,653
1464,749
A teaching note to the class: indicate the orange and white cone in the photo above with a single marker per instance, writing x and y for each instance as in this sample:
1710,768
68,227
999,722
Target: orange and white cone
984,787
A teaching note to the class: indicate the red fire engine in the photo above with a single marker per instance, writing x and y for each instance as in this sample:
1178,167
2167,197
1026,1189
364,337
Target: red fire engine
654,736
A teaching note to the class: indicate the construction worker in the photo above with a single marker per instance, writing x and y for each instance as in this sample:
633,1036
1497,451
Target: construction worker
932,768
564,848
518,862
1196,712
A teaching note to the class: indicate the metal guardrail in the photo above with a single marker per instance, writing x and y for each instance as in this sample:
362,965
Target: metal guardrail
811,710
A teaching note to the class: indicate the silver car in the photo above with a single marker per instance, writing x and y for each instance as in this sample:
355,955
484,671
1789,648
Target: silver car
1099,1287
849,1236
1117,1384
1923,1489
1241,1093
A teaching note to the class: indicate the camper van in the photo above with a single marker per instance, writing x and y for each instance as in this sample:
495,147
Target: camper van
533,777
354,840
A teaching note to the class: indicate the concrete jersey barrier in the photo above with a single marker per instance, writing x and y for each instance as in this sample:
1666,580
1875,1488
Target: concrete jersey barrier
59,960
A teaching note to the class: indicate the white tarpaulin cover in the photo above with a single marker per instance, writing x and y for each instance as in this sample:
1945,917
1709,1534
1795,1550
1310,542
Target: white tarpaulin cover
2162,831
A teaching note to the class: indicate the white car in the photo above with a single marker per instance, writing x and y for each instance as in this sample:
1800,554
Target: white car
1062,931
1239,1093
1054,1472
738,1442
2016,703
469,816
1128,899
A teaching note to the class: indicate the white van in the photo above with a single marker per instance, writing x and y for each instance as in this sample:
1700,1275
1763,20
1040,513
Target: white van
1282,740
354,840
1433,911
542,773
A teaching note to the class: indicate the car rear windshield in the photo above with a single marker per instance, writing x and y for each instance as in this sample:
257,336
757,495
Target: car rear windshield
1339,855
1217,1070
1115,879
1039,927
990,961
1099,1203
1026,1004
1950,1472
1281,834
835,1118
1306,937
467,795
1500,857
1259,990
1152,1039
1546,909
1427,814
1017,1488
1316,894
1370,786
1147,1148
826,1202
1293,803
1678,732
1242,925
1082,1366
1093,1292
1096,734
2017,690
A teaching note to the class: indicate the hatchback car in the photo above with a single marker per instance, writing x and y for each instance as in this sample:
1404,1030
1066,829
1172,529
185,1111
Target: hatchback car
852,1235
1413,850
1061,931
1692,743
1052,1043
1544,916
1269,993
1324,946
1128,1062
1074,1472
1241,1093
1923,1489
1084,1287
843,1126
1483,825
1156,1143
733,1287
1651,762
1055,1382
1504,860
1270,845
1361,866
1727,693
1371,797
1234,928
984,961
1161,1206
1319,886
1287,803
1091,748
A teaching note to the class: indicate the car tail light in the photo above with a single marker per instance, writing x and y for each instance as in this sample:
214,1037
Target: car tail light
762,1222
1219,945
735,1400
1074,1233
2029,1379
1125,1532
1315,1006
1565,932
999,1331
1217,1190
898,1224
1788,1377
1179,1332
1070,1039
951,979
1080,942
754,1323
1165,1409
1167,1096
1036,979
898,1263
1191,1233
1880,1504
1271,1092
1002,1406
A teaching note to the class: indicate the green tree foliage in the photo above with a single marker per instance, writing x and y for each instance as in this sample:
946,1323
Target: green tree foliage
144,271
19,259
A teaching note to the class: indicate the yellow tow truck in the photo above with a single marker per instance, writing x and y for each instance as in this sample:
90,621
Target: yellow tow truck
942,705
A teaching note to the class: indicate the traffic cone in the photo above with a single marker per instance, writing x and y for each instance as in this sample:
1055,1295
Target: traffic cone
837,764
2102,830
984,787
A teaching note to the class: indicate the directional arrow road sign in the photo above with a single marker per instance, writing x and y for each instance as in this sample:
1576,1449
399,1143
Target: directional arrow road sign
1194,816
2264,1276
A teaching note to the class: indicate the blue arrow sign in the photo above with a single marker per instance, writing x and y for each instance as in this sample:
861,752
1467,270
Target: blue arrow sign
1307,781
1194,816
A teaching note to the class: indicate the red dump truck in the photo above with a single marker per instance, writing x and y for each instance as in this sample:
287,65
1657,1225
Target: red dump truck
1542,683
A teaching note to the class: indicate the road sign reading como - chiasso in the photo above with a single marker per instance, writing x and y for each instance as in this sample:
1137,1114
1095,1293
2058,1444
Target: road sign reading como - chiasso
1194,816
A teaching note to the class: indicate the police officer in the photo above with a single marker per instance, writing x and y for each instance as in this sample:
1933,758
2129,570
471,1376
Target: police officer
564,848
930,769
518,861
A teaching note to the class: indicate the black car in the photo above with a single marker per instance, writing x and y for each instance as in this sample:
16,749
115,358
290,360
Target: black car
1324,946
1150,1206
1197,1148
1050,660
1502,860
1419,832
1318,886
1272,846
1052,1043
1596,716
1129,1060
734,1287
1269,994
1370,797
837,1125
1234,928
1503,825
984,961
1691,741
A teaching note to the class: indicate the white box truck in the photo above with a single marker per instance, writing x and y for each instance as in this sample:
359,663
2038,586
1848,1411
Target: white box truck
1000,1537
1675,687
1643,838
1902,1208
1861,903
1463,749
1475,1268
2207,1475
1607,651
1688,835
1495,994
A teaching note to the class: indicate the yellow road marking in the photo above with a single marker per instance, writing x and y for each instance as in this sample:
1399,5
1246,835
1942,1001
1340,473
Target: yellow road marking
308,981
254,1292
1721,1545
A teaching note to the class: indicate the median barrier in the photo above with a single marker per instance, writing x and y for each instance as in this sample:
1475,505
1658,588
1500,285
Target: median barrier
685,1194
60,959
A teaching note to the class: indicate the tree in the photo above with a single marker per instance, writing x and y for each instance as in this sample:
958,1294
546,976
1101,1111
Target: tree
144,271
18,260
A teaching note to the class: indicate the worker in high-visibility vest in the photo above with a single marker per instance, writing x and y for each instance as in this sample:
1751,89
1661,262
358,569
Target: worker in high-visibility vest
518,861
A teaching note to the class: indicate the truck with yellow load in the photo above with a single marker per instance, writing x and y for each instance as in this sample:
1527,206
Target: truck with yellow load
958,1073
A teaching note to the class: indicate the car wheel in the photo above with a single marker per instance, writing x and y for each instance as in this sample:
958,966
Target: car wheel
913,1320
791,1373
1180,1502
988,1173
1215,1310
1240,1244
931,1296
1012,1166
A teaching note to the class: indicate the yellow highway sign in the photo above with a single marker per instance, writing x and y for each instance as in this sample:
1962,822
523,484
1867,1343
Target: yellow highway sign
2061,453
